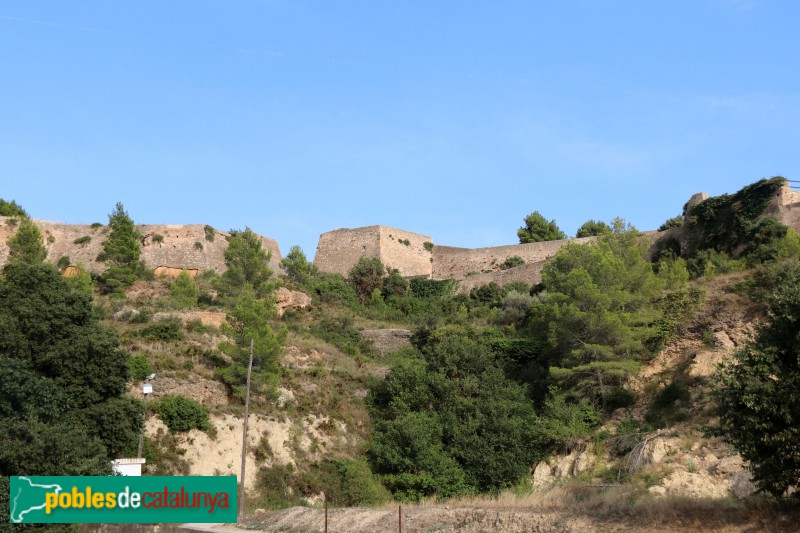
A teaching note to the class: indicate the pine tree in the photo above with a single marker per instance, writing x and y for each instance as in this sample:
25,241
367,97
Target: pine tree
121,252
538,229
247,264
27,244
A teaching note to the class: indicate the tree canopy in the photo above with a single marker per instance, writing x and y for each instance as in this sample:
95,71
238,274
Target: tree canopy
247,264
121,252
593,228
12,209
62,375
26,244
759,395
596,314
538,229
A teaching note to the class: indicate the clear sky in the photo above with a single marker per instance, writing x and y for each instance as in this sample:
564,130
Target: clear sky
450,118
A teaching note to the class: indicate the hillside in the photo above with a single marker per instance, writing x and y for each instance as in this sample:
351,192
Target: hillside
478,406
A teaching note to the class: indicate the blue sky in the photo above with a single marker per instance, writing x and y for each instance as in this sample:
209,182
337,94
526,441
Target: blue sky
450,118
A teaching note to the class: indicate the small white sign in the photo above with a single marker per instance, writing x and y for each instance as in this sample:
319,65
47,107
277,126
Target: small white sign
147,388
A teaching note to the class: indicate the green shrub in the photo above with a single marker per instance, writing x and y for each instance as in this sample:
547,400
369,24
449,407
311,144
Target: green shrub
184,290
82,240
63,262
353,484
163,331
428,246
96,225
140,367
157,239
209,231
274,485
431,288
12,209
180,413
511,262
198,245
674,222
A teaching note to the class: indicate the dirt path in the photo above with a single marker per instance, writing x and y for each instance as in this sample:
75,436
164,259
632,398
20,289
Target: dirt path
450,519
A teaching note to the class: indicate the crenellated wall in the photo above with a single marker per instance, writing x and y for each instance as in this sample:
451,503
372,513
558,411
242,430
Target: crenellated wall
180,246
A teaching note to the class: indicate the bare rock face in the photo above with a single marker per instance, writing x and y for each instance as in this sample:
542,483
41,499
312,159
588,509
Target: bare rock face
288,299
542,474
694,485
388,340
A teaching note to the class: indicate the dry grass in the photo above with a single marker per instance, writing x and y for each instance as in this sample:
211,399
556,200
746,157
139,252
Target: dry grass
625,504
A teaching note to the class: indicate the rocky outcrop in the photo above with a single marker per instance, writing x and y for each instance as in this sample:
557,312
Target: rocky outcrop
289,299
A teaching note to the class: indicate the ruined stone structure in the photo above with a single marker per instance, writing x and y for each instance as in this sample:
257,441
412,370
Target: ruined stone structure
166,249
786,207
339,250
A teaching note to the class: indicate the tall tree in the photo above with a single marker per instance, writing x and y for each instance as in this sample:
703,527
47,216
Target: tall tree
26,244
247,264
62,376
249,319
593,228
596,313
121,252
538,229
759,394
297,267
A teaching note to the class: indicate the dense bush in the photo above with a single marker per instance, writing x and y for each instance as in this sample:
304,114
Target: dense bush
163,331
182,414
511,262
451,422
759,394
730,223
674,222
140,367
184,290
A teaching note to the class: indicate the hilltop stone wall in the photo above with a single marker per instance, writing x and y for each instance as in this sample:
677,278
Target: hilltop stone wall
406,251
786,207
166,248
339,250
450,262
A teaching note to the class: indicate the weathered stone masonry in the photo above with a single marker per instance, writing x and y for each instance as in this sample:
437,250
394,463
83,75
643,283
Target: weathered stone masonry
177,249
340,249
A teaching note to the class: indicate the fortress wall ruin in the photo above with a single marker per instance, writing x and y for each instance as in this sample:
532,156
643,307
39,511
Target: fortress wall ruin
458,263
530,273
339,250
406,251
786,207
176,251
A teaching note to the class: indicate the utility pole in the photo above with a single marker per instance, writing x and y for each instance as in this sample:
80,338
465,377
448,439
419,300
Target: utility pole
244,432
147,388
